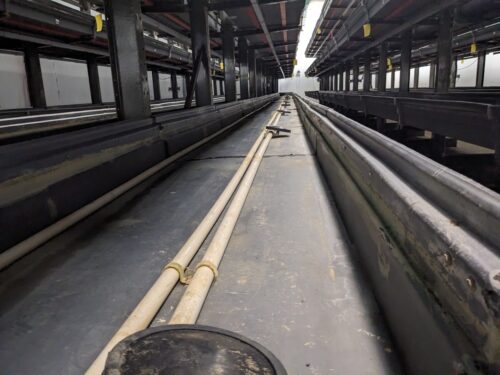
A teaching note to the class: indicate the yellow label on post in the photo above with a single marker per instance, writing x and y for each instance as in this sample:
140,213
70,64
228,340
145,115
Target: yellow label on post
389,64
294,61
221,65
473,48
318,31
367,30
98,22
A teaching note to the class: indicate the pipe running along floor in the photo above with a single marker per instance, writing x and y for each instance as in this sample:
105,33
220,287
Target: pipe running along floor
288,279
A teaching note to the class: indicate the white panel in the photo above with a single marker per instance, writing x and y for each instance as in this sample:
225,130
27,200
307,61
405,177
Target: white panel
351,83
65,82
150,84
397,76
298,85
388,80
106,82
374,82
412,77
14,85
165,86
424,74
492,70
181,84
466,72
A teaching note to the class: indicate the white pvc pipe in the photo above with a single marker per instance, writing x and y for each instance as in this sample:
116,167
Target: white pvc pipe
148,307
9,256
192,301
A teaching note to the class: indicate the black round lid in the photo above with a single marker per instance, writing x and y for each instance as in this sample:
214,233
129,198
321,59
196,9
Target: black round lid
190,350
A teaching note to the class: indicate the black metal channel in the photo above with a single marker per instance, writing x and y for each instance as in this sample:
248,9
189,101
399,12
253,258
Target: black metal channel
44,179
434,264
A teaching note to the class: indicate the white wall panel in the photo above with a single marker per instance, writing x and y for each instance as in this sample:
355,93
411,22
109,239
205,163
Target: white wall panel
13,82
165,86
65,82
492,69
106,82
298,85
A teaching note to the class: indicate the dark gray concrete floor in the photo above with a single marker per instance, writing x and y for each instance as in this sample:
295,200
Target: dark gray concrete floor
288,279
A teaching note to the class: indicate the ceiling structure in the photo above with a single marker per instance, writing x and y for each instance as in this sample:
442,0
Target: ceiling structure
340,35
67,28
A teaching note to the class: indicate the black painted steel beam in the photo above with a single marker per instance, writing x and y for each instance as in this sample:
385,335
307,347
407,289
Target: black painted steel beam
128,61
244,73
229,64
200,45
382,67
34,77
95,86
156,84
444,49
404,77
252,66
174,85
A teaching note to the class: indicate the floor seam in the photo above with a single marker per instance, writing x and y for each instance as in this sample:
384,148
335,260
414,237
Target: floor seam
243,156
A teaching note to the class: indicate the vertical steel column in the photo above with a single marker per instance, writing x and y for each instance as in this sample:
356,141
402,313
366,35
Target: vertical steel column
252,67
95,86
200,46
444,46
341,80
156,84
175,87
355,74
244,74
214,84
416,76
34,77
221,86
404,75
367,77
347,78
228,53
382,67
258,75
128,62
481,60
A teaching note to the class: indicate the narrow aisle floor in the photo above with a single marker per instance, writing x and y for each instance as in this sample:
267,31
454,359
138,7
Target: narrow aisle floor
287,280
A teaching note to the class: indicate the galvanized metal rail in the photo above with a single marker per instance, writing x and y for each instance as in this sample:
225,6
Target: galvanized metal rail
427,236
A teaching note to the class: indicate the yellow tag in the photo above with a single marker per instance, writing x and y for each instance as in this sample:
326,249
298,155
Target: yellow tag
389,64
462,61
98,22
473,48
294,61
367,30
221,65
318,31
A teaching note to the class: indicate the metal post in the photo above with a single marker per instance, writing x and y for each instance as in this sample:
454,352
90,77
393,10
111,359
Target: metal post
128,66
221,87
34,77
393,77
382,67
444,46
404,75
416,75
341,80
95,86
367,77
252,66
355,74
347,79
175,87
200,45
481,60
228,53
258,74
244,74
432,75
214,83
156,85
